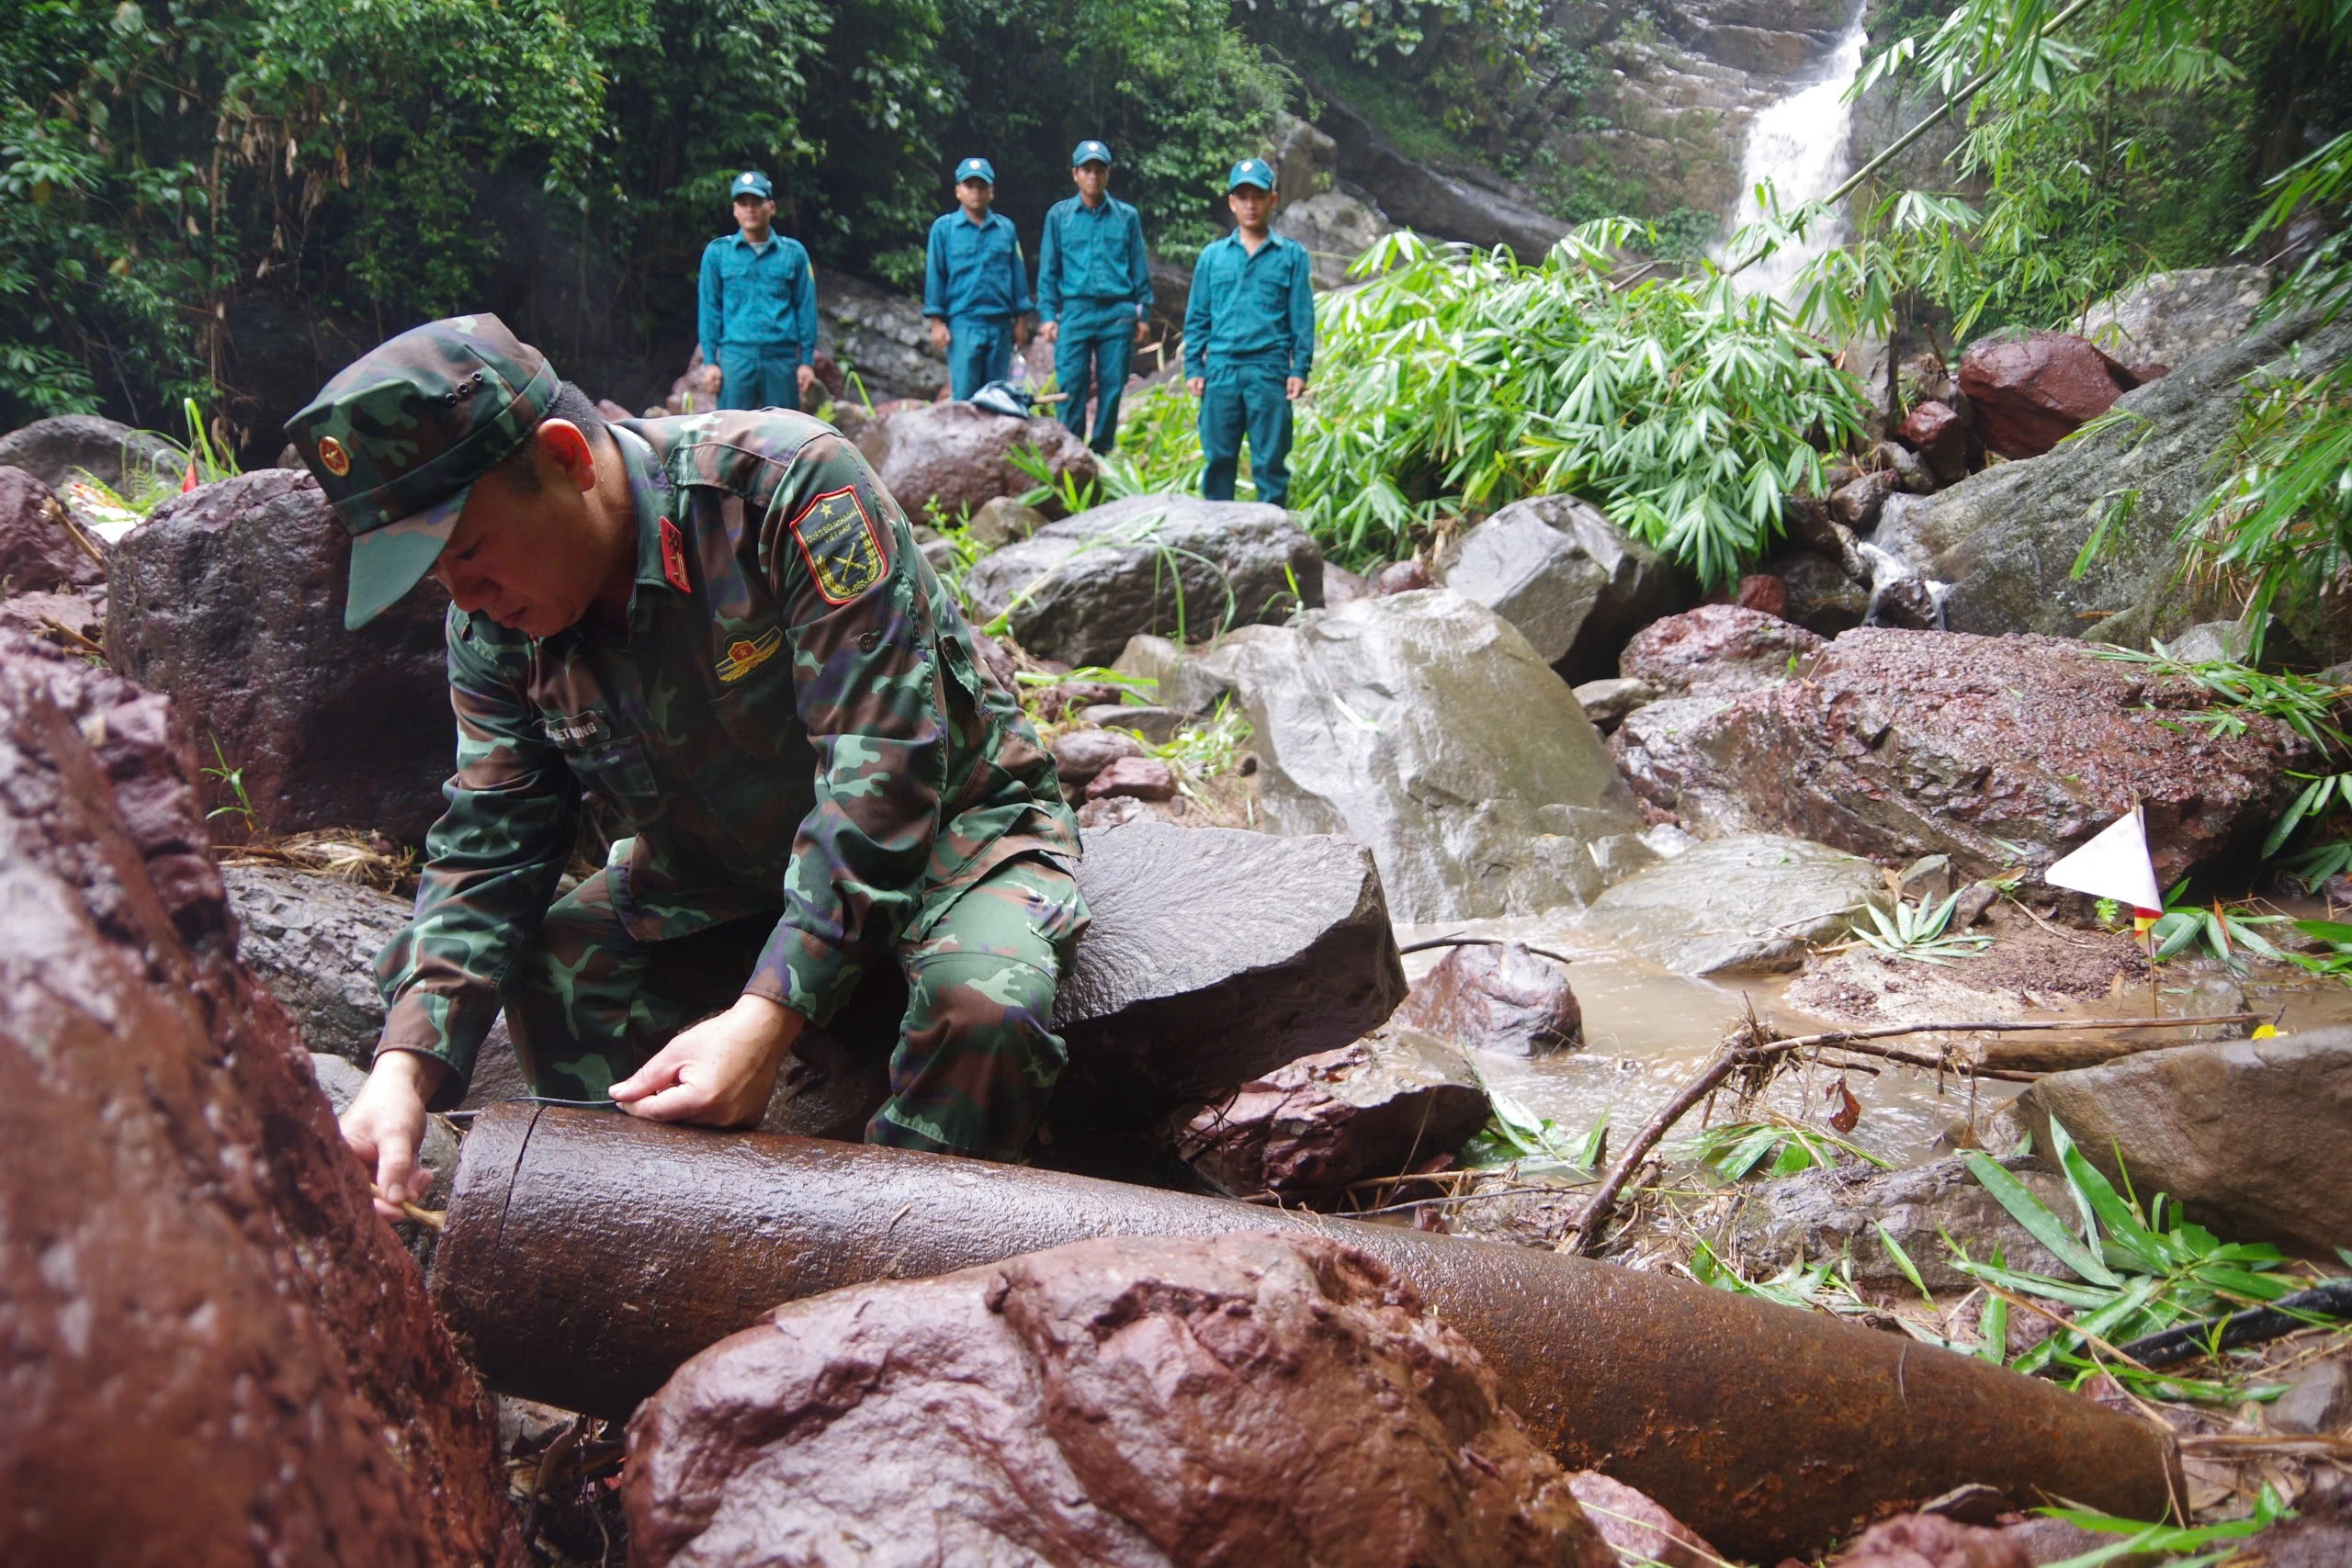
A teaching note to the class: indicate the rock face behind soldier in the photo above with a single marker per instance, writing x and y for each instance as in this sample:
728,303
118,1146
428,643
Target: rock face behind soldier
720,627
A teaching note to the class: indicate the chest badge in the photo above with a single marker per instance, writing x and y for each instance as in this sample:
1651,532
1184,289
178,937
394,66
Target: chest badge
674,557
840,544
745,654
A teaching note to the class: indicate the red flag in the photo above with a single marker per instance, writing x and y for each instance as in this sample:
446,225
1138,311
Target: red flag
188,479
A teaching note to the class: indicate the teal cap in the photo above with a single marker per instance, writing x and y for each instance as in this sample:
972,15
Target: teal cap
750,182
1250,172
975,169
1089,151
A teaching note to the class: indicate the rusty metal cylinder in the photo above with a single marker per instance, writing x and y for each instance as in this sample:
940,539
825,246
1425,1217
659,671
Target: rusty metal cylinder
588,1254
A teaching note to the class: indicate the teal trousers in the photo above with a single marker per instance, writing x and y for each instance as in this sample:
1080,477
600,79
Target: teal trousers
1244,397
979,350
1092,362
759,375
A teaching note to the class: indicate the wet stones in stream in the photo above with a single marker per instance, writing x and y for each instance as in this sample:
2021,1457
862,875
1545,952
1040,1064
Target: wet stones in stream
2000,752
1749,905
1126,1401
1497,996
1397,1100
215,1346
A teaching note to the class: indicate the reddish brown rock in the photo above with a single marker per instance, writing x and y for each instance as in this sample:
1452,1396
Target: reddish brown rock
230,599
1716,648
2028,394
1764,593
216,1352
830,375
1403,577
1997,751
1080,754
1390,1103
1930,1541
1496,998
50,615
1129,1402
1937,432
1144,778
38,553
1635,1525
958,457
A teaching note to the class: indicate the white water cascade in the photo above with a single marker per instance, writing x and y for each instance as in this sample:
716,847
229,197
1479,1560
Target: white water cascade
1799,144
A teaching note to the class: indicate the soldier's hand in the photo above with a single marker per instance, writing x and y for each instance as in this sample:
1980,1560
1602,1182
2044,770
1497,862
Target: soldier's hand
384,1125
1292,387
717,1074
1196,385
1047,333
807,381
938,333
1143,332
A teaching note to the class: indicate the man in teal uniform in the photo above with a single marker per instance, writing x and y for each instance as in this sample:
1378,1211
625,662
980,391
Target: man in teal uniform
1093,294
759,306
1250,340
974,284
720,629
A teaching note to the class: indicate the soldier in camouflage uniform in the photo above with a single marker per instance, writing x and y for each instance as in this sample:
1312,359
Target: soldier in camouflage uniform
719,628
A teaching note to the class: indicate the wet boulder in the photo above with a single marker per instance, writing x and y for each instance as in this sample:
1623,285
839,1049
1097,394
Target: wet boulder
1398,1100
1848,1211
2236,1131
1857,503
1572,583
2027,394
38,552
1336,228
230,599
1997,751
1403,577
1080,754
1424,726
1716,648
2171,318
1496,996
1004,521
1747,905
1636,1528
1142,1403
1144,778
1174,565
1939,435
957,457
1218,954
1607,702
217,1350
57,450
312,941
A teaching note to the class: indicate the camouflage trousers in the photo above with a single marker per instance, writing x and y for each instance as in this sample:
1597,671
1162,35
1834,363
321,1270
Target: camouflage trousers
976,1055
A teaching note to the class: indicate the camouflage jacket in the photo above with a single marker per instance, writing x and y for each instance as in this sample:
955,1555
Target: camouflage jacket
793,721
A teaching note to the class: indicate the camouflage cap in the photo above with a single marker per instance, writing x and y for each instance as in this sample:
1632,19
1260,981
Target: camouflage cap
398,437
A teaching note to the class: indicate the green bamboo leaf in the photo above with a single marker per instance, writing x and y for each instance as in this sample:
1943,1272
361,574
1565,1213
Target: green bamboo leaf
2039,1222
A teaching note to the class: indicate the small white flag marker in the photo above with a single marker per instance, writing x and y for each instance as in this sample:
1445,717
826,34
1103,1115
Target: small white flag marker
2114,865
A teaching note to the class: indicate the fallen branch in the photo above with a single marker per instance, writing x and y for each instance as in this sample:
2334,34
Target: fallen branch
71,637
1735,1053
1428,943
2252,1326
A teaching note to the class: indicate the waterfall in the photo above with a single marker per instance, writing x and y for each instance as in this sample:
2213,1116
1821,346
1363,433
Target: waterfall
1798,143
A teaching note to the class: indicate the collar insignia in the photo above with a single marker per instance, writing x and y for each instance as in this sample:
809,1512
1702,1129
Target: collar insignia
674,557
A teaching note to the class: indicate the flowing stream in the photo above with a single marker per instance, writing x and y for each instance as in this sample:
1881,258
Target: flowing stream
1799,144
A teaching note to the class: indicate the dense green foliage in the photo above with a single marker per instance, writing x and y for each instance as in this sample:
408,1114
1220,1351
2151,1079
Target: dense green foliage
164,165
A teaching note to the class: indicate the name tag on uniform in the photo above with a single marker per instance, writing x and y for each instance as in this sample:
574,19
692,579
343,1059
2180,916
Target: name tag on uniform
840,544
578,730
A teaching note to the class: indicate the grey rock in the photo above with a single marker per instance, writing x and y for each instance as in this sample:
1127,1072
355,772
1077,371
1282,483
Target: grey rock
1607,702
1335,228
1305,160
312,940
1157,725
1573,584
1382,1105
1911,472
1424,726
880,335
1828,1213
2171,318
2210,640
1750,905
1004,521
1818,594
1498,997
2319,1400
2005,540
1216,955
56,450
1151,563
1341,586
1859,504
2249,1136
1447,206
1927,878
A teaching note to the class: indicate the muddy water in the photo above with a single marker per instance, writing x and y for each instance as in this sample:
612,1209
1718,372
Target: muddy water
1647,1031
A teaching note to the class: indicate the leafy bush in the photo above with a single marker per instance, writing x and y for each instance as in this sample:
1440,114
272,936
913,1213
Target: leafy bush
1456,380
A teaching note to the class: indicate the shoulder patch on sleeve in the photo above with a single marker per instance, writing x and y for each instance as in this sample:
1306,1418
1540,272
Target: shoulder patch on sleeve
840,544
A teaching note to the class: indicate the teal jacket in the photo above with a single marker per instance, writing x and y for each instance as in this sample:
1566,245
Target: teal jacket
974,269
1258,308
757,294
1091,264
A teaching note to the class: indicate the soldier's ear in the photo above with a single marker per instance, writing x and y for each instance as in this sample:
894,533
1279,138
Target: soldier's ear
567,448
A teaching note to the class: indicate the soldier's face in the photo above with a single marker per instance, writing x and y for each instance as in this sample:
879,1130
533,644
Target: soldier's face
530,558
975,195
754,214
1093,178
1251,206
